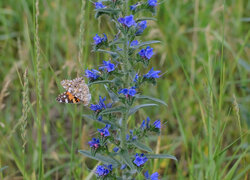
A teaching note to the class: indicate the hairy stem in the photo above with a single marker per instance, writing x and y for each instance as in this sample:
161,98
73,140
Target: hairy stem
124,131
126,68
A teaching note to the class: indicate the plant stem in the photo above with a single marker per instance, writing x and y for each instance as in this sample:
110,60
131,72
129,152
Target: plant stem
124,131
126,68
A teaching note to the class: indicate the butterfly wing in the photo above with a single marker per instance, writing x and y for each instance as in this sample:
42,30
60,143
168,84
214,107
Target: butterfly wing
78,88
67,97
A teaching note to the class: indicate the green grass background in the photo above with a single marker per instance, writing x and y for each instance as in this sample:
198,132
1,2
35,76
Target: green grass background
205,52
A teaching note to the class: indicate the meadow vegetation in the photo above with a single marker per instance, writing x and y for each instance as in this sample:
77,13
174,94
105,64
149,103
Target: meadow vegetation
204,55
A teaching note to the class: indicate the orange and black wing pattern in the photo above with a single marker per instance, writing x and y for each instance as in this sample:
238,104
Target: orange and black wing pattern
67,97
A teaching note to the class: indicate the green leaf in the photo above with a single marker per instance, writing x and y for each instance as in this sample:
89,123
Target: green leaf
146,18
120,41
146,43
107,10
89,116
142,146
100,82
127,160
120,109
92,117
100,157
160,156
3,168
112,95
230,145
150,98
105,51
136,108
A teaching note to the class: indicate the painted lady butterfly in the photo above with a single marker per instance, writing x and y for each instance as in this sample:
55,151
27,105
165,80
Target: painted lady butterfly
77,92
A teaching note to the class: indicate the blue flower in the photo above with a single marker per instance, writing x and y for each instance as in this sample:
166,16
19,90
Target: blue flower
123,91
99,40
99,5
95,143
140,159
146,53
145,124
116,149
148,120
103,170
153,176
141,26
105,131
134,137
123,166
128,92
92,74
149,52
133,7
152,74
99,118
127,137
107,66
157,124
134,43
127,21
152,3
95,107
101,105
136,78
131,92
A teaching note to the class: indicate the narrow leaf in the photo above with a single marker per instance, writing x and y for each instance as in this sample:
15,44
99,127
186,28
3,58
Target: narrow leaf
230,145
146,18
112,95
136,108
127,160
120,109
146,43
160,156
150,98
99,157
120,41
109,52
103,121
108,10
142,146
100,82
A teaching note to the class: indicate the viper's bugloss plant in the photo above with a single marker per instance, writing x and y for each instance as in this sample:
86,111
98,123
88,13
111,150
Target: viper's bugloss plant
115,145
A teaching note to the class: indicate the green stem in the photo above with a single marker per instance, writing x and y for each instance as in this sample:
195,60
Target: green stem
126,68
124,131
72,151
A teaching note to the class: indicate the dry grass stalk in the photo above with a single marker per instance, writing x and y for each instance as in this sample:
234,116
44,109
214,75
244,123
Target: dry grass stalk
80,53
25,109
38,54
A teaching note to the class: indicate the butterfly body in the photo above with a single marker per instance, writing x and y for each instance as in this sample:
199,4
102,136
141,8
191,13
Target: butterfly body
77,92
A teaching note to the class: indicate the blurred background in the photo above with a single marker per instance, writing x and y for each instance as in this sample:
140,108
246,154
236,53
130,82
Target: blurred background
205,55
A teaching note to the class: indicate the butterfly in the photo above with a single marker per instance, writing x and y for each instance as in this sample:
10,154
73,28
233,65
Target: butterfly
77,92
